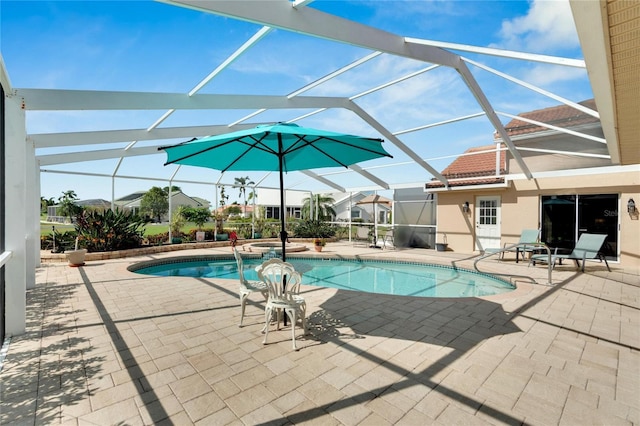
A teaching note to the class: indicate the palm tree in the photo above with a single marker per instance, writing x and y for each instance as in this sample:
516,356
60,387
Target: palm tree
322,206
68,206
242,183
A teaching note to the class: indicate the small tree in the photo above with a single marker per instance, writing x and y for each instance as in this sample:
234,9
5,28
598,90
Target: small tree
155,203
233,209
173,189
198,215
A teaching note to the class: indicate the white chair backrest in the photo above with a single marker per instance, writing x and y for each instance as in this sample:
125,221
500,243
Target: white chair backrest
362,232
240,264
283,281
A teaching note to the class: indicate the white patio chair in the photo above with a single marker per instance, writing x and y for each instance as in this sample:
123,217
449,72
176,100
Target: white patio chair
283,284
247,287
362,236
388,240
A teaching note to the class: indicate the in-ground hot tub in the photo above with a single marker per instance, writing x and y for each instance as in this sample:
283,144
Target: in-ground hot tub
266,247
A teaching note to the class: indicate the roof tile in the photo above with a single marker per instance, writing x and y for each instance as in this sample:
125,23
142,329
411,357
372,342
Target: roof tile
559,116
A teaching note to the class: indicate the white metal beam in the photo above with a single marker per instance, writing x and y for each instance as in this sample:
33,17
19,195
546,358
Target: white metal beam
103,154
324,180
556,128
530,57
72,100
316,83
440,123
52,140
567,153
397,142
536,89
313,22
491,115
356,168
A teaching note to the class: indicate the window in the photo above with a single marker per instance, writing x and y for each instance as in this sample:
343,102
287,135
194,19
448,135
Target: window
294,212
488,212
272,212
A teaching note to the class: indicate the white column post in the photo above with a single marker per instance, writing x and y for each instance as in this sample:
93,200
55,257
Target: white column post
15,223
36,221
31,214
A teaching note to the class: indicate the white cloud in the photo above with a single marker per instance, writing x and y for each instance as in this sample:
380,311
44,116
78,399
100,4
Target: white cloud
544,75
548,26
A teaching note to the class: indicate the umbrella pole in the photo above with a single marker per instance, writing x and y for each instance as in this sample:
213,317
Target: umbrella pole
283,231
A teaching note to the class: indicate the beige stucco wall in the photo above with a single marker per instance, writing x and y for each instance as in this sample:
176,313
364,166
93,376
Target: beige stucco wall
520,209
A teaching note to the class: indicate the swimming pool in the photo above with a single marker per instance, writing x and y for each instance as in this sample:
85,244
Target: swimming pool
396,278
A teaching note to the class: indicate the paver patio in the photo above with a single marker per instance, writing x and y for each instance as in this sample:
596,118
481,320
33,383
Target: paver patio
107,346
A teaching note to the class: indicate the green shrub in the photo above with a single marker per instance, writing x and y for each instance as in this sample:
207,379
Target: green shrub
314,229
63,241
109,230
158,239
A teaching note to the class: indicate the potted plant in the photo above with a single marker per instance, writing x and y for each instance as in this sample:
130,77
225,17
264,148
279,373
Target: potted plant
258,228
318,243
75,257
198,216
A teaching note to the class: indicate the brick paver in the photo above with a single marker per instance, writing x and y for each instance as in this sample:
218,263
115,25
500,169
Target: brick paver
107,346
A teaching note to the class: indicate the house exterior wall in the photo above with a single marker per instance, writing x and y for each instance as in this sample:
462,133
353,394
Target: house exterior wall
520,209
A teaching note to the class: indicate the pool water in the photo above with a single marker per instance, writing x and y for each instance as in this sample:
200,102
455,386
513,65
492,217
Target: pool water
404,279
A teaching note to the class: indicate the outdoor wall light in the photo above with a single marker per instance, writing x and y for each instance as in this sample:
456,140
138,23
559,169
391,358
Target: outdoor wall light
631,206
465,207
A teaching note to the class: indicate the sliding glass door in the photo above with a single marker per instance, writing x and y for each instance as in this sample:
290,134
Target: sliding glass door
565,217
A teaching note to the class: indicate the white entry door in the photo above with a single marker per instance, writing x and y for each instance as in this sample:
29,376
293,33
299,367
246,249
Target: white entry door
487,222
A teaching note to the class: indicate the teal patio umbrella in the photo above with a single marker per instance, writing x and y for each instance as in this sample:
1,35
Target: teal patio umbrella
281,147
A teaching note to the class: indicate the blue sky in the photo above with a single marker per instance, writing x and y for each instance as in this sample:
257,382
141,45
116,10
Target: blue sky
154,47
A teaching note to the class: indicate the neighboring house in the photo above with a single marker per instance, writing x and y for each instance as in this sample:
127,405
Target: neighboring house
204,203
574,190
345,206
376,208
350,206
178,198
92,204
269,202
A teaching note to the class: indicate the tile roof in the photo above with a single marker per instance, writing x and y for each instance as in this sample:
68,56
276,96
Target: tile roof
475,162
559,116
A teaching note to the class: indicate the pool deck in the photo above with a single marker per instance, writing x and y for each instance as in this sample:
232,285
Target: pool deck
107,346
